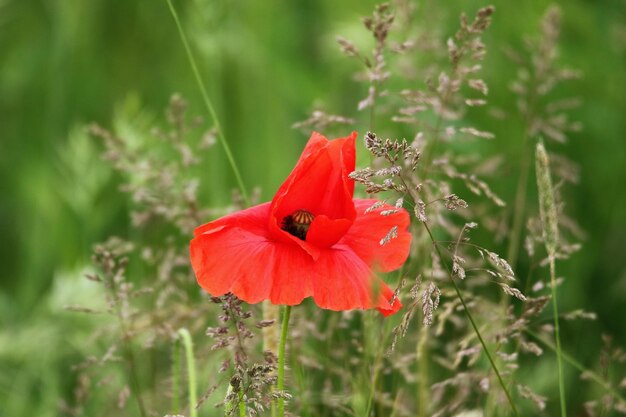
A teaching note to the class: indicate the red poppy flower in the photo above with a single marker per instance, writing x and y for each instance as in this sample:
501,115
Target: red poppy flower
311,240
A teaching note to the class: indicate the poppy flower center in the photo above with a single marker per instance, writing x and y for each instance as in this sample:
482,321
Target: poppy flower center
297,223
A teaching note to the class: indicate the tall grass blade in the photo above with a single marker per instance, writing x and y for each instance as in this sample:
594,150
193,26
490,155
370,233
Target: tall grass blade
208,104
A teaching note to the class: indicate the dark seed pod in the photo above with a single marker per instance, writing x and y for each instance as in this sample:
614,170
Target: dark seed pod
297,223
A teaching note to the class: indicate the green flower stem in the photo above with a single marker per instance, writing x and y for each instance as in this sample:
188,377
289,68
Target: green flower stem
281,360
191,370
208,104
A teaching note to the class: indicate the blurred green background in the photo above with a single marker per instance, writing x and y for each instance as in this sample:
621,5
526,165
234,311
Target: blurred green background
66,63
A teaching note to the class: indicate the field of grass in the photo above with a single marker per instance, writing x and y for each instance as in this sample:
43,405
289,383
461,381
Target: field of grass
105,133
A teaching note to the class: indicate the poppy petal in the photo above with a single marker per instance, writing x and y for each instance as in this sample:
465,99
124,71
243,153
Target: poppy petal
344,281
235,260
293,273
235,254
384,304
369,228
325,232
319,182
251,267
253,219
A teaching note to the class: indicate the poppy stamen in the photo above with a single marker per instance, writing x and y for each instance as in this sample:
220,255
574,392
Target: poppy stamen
297,223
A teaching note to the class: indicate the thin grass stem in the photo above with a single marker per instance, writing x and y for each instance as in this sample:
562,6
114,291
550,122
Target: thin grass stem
281,360
220,133
377,366
465,308
191,370
133,378
519,208
208,104
396,402
422,361
228,405
474,326
557,336
242,405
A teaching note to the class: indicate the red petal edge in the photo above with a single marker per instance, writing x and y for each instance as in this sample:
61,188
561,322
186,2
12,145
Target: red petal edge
370,228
